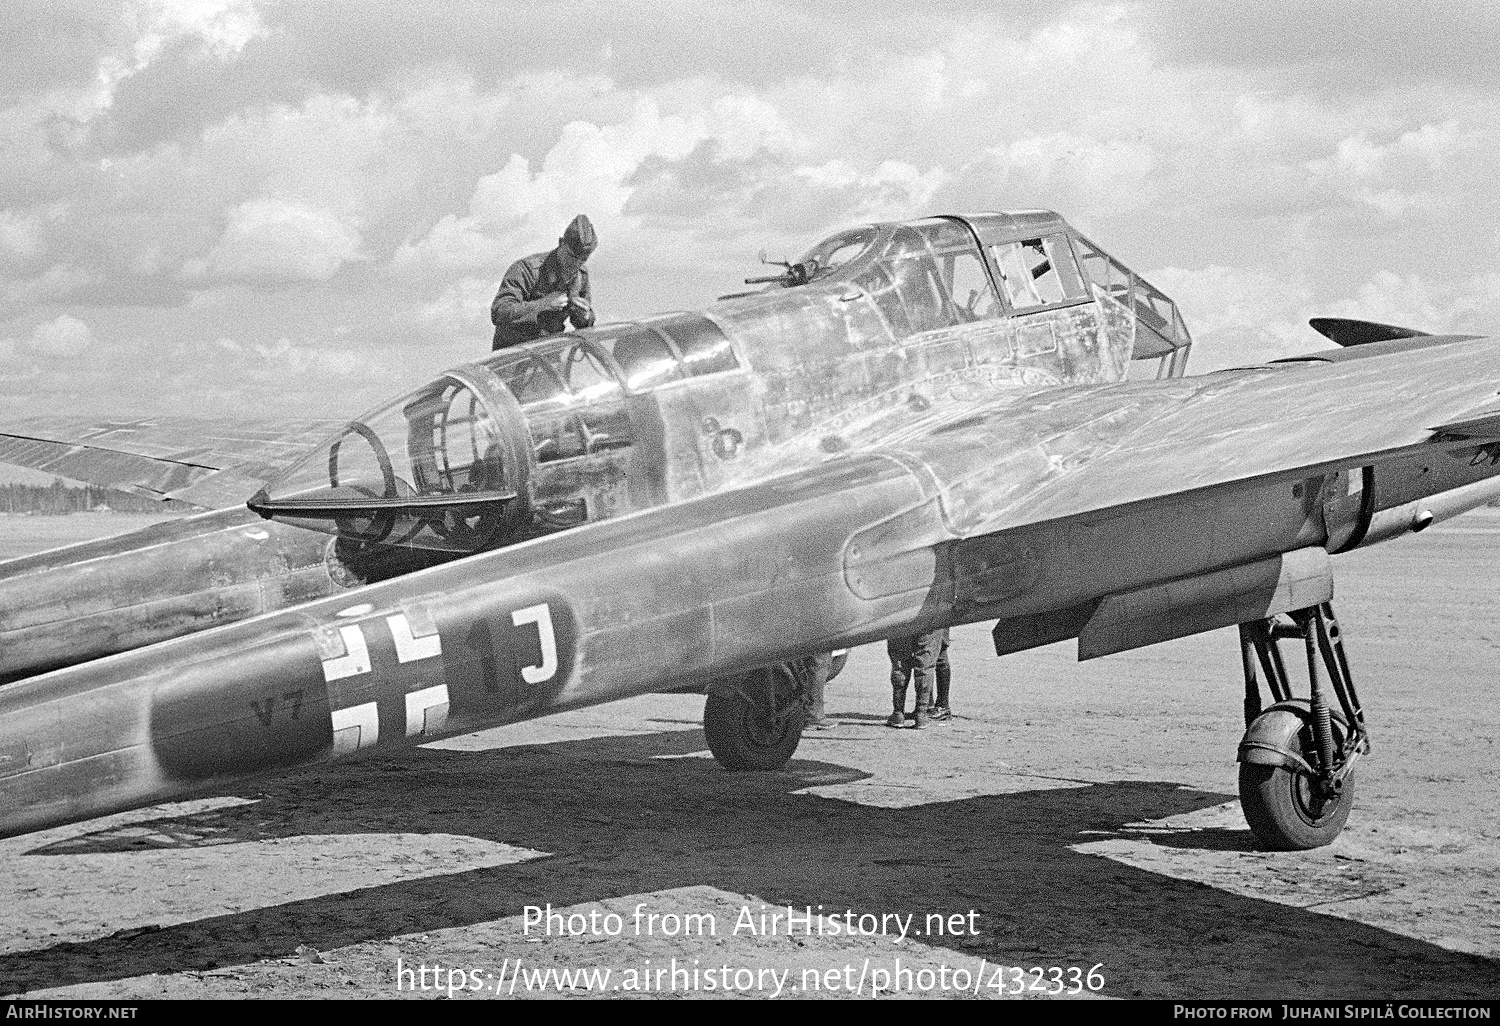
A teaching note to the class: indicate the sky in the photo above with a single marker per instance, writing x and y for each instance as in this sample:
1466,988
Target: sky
250,207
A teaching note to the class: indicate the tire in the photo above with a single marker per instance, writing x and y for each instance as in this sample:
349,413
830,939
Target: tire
743,735
1282,809
837,666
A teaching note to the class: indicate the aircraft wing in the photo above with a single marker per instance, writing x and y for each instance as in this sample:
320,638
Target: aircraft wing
1079,449
204,461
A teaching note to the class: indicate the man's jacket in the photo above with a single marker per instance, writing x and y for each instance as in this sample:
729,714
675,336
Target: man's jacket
517,311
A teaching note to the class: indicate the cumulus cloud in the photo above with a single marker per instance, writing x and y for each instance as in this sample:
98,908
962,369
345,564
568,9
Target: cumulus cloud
1330,47
590,168
462,310
1077,174
1239,315
274,241
62,338
222,26
1467,305
370,171
284,359
892,189
20,237
57,284
501,204
1393,177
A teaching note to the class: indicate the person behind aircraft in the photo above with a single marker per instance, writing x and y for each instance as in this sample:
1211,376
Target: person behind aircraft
943,674
817,667
924,656
542,292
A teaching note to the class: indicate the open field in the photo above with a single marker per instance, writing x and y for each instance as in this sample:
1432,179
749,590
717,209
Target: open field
23,535
1084,813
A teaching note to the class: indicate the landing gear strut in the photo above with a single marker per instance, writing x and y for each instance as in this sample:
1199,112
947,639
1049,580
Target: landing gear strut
1297,757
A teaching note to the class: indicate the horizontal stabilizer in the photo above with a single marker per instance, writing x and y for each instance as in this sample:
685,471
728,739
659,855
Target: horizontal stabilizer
1347,331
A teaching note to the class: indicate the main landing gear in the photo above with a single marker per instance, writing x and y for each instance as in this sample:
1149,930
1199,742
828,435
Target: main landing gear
755,722
1297,757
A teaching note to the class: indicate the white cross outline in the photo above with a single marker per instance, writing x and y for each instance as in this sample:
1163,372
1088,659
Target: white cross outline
356,659
363,720
422,706
541,615
408,648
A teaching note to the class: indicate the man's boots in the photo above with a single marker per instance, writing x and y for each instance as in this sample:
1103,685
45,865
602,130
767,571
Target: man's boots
940,711
924,701
898,705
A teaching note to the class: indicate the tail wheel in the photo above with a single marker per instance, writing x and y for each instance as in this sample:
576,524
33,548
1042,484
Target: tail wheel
1286,808
756,723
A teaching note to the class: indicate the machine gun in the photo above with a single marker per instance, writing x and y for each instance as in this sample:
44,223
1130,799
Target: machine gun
792,275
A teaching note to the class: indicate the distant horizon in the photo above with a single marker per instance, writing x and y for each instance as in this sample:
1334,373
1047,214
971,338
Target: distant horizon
23,475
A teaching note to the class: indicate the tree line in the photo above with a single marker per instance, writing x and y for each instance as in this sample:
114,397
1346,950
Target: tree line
63,498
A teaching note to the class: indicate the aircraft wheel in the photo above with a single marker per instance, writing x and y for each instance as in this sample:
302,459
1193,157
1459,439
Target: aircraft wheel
837,666
759,733
1284,809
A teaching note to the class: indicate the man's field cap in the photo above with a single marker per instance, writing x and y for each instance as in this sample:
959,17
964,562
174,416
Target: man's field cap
580,237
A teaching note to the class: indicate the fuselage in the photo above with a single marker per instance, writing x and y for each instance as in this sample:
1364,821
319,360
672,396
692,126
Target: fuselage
890,323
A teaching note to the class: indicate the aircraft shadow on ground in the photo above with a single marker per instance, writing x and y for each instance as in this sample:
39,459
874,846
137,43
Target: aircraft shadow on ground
619,819
1209,839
